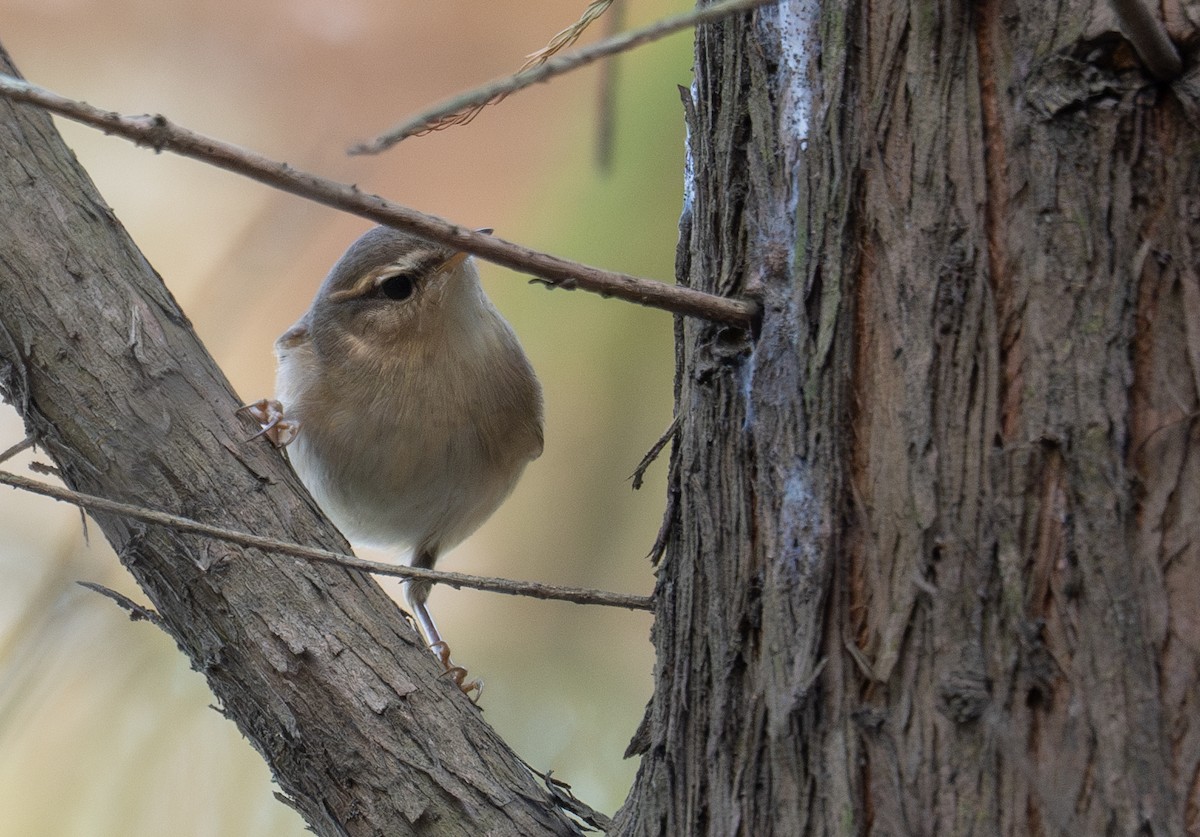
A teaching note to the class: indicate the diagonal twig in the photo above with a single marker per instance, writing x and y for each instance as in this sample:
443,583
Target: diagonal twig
136,611
498,89
531,589
639,473
159,133
23,445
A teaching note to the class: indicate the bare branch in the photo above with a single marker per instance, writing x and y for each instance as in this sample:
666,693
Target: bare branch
1149,38
471,101
531,589
639,473
162,135
136,611
23,445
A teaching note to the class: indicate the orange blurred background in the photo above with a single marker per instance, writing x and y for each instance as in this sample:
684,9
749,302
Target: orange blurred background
104,729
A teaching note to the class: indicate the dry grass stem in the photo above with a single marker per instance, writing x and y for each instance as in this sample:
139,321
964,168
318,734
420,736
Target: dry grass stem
464,107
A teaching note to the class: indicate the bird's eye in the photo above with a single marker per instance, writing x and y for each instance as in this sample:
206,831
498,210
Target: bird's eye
397,287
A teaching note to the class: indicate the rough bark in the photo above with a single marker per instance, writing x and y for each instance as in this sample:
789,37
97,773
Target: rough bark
936,546
315,664
935,538
743,583
1021,572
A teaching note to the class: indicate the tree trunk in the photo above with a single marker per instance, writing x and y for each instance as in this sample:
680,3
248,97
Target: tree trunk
935,551
934,545
315,664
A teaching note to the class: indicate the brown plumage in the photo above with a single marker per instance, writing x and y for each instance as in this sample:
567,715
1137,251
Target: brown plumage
410,408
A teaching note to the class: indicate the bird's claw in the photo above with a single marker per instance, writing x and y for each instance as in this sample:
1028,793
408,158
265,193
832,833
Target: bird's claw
268,412
459,675
441,650
456,673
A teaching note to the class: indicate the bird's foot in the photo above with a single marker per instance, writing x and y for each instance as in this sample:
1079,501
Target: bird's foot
269,414
457,673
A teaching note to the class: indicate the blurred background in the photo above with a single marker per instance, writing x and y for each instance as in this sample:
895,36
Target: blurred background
104,729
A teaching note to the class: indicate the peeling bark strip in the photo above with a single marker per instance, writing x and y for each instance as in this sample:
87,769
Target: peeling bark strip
936,554
314,663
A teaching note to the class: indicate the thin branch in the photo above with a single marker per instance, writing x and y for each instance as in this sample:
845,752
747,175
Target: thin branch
671,512
24,444
136,611
162,135
639,473
502,87
1149,38
534,590
44,469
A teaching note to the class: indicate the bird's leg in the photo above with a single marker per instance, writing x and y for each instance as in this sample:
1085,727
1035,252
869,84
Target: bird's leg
416,593
270,417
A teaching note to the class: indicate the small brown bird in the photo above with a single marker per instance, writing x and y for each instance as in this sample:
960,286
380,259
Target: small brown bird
411,409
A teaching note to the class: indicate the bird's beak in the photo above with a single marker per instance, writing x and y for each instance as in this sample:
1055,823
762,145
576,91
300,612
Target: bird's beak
453,262
458,258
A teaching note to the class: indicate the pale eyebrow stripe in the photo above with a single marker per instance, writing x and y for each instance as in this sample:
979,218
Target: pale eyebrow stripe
418,267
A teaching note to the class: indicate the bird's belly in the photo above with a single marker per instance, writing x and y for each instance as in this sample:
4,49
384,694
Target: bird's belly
401,485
